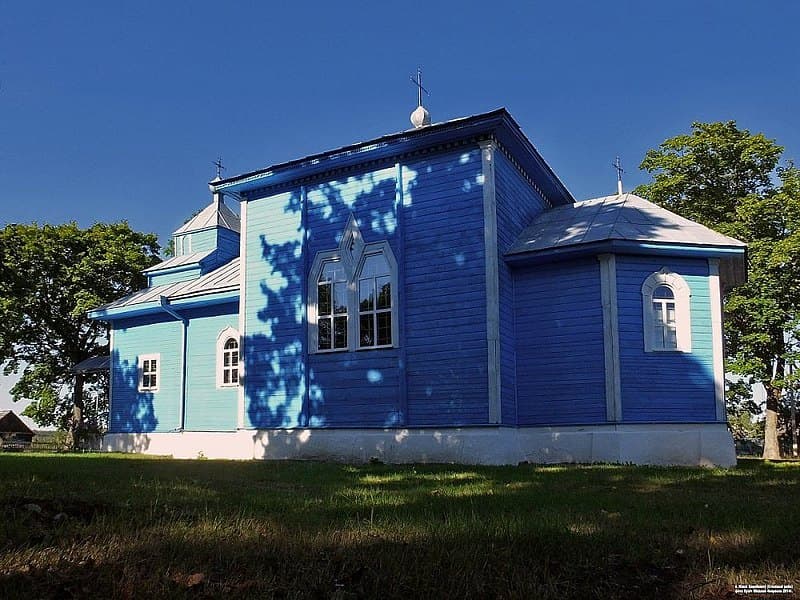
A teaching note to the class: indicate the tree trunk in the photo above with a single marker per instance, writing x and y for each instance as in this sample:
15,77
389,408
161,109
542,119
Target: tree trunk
771,448
76,422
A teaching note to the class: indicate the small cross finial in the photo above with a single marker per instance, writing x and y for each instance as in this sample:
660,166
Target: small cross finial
418,83
218,164
617,164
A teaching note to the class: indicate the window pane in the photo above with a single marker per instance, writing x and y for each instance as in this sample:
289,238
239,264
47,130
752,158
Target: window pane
324,298
340,299
659,338
663,291
340,332
226,376
145,381
384,328
333,271
366,299
670,312
672,339
146,366
234,358
235,376
367,330
374,265
324,333
657,312
153,365
226,359
384,292
153,380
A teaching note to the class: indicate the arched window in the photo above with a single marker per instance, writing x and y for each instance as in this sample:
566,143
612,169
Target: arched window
228,358
667,316
375,302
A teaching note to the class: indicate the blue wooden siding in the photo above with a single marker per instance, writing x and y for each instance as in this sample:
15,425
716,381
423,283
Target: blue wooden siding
517,205
274,330
445,291
209,408
659,386
227,244
185,275
559,344
443,297
143,412
359,388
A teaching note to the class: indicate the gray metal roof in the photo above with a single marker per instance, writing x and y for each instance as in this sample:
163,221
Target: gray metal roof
222,279
179,261
93,364
619,217
215,214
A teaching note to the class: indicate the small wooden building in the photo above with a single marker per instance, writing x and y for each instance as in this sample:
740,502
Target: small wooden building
431,295
14,434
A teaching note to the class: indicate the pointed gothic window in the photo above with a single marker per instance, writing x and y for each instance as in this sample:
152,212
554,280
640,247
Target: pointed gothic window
352,296
375,302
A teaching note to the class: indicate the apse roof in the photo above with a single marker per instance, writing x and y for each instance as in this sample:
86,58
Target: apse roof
625,217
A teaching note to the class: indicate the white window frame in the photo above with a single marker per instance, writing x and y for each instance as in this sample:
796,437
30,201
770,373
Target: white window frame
683,315
140,369
351,254
223,337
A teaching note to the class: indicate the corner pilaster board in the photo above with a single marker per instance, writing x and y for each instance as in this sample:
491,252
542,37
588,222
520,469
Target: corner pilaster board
242,313
715,298
608,293
492,278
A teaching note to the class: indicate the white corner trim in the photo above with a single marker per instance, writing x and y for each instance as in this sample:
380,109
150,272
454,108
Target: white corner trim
683,314
715,298
492,279
608,295
242,309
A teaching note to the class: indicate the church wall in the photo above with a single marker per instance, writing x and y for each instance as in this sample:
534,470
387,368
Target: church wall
664,386
273,322
559,344
362,387
202,241
208,407
444,297
134,411
517,205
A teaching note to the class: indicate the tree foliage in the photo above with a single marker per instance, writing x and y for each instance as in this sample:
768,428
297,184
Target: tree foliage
50,276
730,180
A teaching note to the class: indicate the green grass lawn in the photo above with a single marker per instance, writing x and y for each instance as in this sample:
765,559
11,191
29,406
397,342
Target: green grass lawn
117,526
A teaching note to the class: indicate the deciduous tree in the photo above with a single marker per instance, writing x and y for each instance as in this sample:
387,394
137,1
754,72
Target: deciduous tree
730,180
50,276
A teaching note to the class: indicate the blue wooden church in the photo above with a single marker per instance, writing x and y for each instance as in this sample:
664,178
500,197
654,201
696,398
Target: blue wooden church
432,295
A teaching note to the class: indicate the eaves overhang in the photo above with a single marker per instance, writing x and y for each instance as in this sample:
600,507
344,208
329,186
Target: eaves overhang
152,307
497,124
623,247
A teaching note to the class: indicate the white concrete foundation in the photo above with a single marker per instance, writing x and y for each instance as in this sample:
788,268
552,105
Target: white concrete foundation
690,444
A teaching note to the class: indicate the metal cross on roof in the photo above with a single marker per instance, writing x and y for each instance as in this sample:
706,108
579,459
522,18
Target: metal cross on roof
617,164
218,163
418,83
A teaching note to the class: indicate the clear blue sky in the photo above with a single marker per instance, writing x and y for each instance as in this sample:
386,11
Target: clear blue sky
113,111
